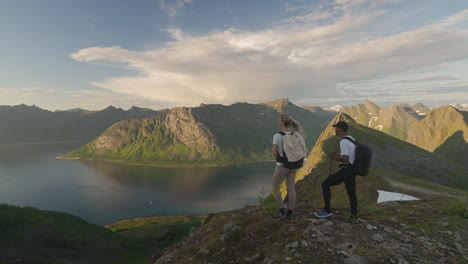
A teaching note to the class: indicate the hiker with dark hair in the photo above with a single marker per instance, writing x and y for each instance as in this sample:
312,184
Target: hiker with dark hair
289,140
345,173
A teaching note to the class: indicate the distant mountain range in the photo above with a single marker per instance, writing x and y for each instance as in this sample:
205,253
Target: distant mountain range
442,130
205,135
390,155
218,134
24,123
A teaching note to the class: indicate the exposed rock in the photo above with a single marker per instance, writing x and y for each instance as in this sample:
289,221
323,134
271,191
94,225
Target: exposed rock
401,261
252,258
355,259
227,231
203,251
325,239
347,249
314,221
378,238
293,245
346,226
448,232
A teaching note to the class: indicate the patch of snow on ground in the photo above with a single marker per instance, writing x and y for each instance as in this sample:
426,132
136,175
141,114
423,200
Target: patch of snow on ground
393,196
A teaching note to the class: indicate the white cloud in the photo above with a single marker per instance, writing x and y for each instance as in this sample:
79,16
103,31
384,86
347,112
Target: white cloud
457,19
292,60
172,7
177,33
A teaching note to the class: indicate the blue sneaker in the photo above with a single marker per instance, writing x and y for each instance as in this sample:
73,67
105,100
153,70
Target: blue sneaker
323,214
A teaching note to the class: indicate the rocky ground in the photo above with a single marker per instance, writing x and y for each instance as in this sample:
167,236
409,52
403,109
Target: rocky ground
403,232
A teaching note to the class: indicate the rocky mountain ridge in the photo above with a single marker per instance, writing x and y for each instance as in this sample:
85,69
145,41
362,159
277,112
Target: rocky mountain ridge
209,134
442,130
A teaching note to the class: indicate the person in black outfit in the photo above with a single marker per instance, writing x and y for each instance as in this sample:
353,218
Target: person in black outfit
344,174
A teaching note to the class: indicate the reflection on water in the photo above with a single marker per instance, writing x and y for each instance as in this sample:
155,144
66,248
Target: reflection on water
103,192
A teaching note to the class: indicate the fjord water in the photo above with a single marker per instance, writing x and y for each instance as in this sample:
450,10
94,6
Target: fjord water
102,192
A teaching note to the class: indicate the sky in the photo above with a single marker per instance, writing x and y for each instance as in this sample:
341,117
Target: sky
64,54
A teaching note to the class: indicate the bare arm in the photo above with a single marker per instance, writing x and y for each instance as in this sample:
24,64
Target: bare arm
343,158
274,150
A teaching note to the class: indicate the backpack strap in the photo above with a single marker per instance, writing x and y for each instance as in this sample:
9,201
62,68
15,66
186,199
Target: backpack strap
280,158
350,139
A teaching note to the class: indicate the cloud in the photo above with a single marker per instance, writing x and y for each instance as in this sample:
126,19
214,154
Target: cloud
177,33
454,20
427,79
300,61
172,7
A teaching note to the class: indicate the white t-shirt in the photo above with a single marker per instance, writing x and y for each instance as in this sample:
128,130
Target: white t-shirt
348,148
278,140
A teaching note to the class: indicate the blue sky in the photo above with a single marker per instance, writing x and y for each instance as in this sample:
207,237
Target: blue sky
63,54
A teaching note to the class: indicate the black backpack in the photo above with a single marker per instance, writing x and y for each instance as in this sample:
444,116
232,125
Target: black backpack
284,160
362,159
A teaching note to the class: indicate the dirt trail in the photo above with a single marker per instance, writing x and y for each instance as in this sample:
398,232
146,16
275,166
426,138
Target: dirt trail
422,190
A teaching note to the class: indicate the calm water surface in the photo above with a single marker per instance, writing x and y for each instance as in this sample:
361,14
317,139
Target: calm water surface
100,192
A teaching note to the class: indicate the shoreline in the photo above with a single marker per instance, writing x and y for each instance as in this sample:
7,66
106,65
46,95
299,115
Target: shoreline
65,158
167,165
40,143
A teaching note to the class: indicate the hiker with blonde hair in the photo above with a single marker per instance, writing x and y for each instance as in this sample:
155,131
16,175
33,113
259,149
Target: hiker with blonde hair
289,150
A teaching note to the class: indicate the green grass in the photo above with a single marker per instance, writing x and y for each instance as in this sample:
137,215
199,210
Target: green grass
53,237
161,231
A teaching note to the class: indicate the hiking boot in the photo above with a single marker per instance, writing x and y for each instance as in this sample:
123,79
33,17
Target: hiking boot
289,214
282,212
353,219
323,214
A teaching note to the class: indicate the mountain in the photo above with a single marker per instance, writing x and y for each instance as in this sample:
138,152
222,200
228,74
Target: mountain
390,154
24,123
420,109
443,131
204,135
431,230
30,235
395,120
461,107
325,113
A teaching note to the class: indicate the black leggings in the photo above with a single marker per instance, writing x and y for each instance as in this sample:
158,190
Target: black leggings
347,176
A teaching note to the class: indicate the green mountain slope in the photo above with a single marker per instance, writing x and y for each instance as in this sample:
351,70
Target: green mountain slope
29,235
205,135
24,123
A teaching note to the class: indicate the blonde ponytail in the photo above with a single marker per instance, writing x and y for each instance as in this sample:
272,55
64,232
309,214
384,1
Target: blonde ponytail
290,122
